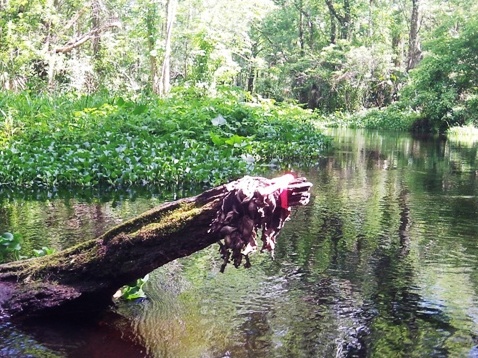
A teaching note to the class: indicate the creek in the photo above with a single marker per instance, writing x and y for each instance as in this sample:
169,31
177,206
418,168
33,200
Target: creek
383,262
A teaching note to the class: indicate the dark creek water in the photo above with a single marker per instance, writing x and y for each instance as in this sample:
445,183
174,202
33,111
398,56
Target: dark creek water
383,262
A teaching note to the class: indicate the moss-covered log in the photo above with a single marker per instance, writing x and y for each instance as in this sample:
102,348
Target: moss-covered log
84,278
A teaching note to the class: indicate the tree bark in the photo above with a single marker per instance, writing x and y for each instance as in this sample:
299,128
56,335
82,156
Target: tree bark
80,40
301,29
414,50
333,28
166,68
151,18
96,22
83,278
344,20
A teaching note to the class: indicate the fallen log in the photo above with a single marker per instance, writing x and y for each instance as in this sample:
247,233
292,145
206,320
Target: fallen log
84,278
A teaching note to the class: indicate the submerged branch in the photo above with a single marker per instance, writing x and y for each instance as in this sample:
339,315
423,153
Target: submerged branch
84,278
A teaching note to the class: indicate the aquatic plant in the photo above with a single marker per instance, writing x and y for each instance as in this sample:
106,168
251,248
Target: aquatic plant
188,139
43,251
9,246
135,290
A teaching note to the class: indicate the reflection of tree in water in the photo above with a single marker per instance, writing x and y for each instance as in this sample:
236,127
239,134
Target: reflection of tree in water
381,311
332,230
402,321
257,332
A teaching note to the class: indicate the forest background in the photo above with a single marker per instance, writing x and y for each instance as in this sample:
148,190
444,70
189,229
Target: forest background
188,91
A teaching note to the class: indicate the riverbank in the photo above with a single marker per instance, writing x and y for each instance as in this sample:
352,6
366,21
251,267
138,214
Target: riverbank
397,118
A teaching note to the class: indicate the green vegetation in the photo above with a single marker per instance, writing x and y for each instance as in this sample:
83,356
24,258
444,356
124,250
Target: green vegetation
9,246
339,57
135,290
186,139
444,88
440,93
45,250
390,118
467,134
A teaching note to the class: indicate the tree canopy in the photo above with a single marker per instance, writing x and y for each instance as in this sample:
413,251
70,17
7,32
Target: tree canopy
331,55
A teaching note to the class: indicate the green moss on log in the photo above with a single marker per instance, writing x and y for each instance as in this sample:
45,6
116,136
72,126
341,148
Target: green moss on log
87,254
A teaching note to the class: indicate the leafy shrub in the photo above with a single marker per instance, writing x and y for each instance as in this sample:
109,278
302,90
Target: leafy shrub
390,118
393,117
444,86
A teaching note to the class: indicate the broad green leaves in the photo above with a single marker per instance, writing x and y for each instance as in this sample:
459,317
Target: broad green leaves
183,141
9,246
134,291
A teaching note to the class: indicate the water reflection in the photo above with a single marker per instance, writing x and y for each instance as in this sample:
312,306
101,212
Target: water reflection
63,218
381,263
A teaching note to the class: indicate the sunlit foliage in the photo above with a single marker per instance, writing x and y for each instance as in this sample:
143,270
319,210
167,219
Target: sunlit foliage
188,139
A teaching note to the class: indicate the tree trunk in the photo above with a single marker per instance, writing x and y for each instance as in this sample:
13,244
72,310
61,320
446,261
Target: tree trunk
96,22
333,28
344,20
151,18
301,29
83,38
83,278
347,23
251,77
414,50
166,68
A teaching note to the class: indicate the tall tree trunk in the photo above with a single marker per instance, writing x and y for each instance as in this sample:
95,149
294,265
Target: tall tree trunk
397,39
344,20
301,29
96,22
252,74
333,28
414,50
347,22
151,19
370,22
304,17
166,68
251,79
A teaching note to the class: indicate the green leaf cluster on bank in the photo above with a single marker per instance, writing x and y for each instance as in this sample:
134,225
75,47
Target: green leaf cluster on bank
393,117
187,139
